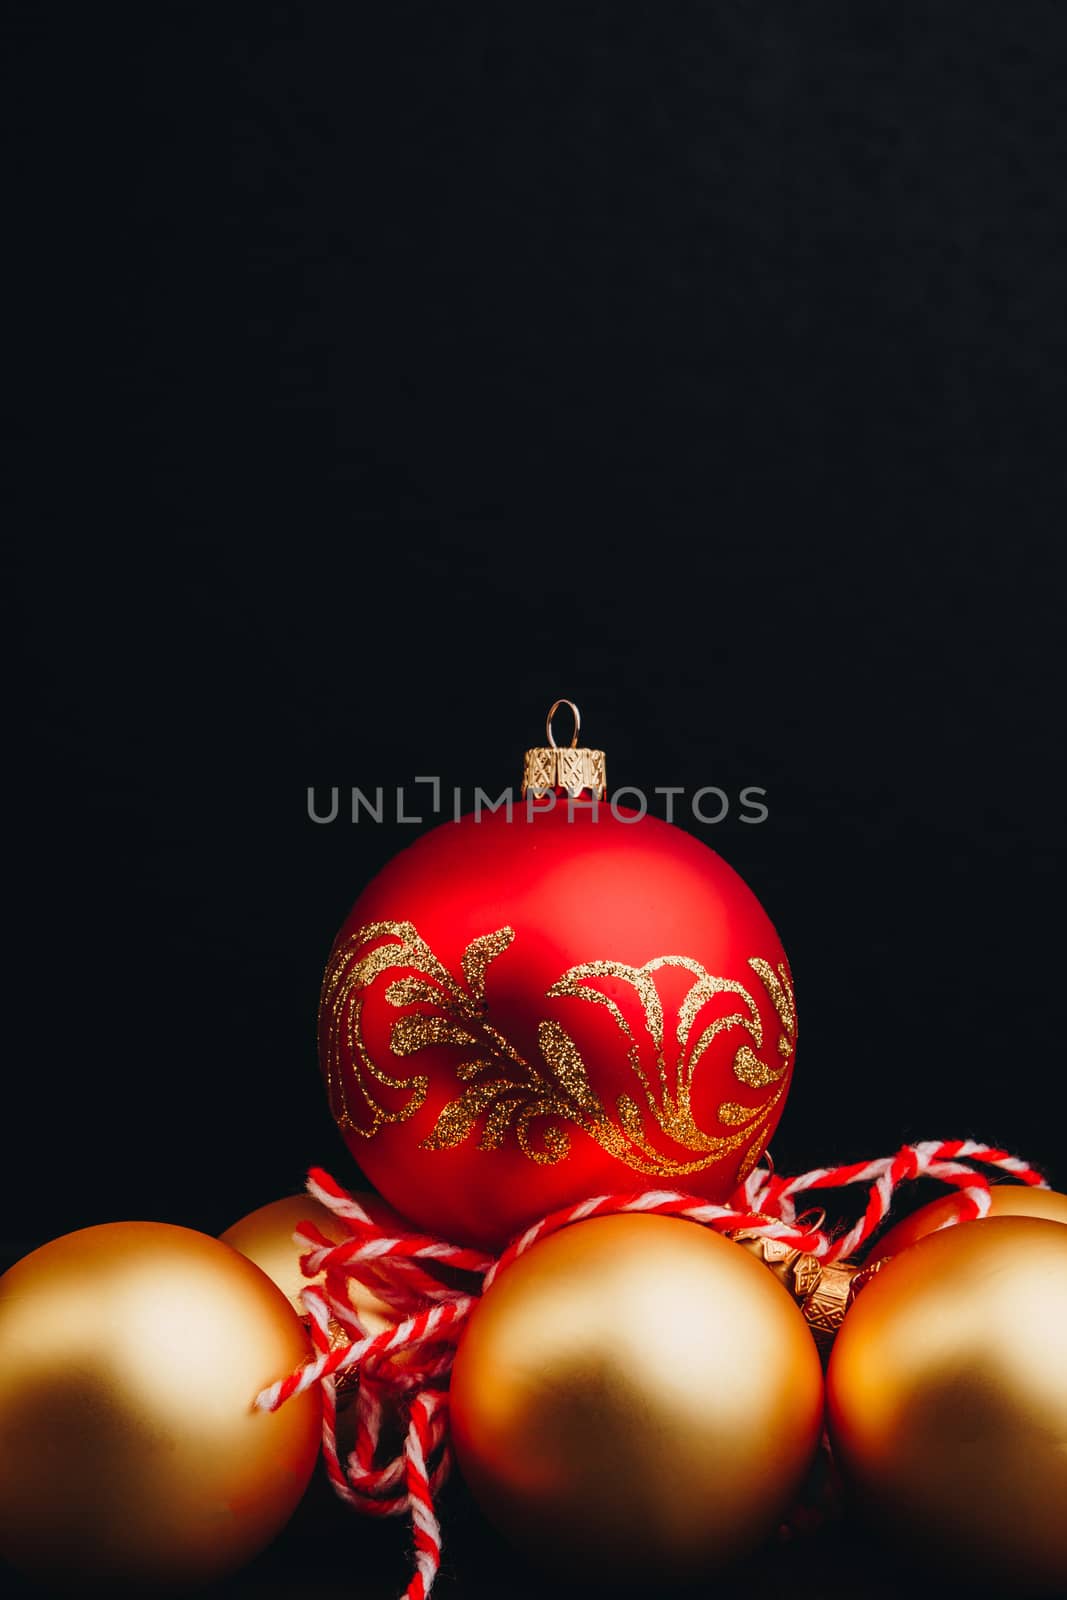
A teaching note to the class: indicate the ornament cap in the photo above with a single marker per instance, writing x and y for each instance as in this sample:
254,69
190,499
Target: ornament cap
823,1292
573,768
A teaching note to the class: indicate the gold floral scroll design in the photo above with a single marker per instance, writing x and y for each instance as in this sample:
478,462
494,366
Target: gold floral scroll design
500,1091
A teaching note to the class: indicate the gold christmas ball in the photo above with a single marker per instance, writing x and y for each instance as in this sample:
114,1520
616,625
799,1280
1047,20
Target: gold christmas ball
130,1450
947,1399
1006,1200
636,1395
265,1236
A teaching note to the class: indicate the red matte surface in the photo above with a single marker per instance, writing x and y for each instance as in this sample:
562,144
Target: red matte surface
573,891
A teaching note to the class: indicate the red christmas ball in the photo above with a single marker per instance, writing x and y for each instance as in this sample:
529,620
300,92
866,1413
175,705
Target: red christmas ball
518,1014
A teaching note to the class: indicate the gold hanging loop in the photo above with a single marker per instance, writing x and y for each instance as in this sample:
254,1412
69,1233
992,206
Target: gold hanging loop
575,713
573,768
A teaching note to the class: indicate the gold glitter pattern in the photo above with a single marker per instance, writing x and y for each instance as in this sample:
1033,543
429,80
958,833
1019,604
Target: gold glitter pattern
353,968
780,989
653,1131
751,1156
748,1068
478,955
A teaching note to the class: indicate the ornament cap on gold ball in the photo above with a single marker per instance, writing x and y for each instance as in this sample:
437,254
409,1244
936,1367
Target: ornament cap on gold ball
573,767
823,1292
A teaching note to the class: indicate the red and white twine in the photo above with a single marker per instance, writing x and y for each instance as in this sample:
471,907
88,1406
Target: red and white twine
401,1374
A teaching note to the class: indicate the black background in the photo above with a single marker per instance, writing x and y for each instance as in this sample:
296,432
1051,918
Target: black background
378,374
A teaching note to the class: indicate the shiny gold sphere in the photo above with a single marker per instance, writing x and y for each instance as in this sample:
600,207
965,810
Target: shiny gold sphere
947,1397
130,1451
265,1236
636,1395
1006,1200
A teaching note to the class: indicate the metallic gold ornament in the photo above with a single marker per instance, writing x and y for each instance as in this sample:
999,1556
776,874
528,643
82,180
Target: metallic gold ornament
1006,1200
947,1392
638,1395
130,1449
265,1236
